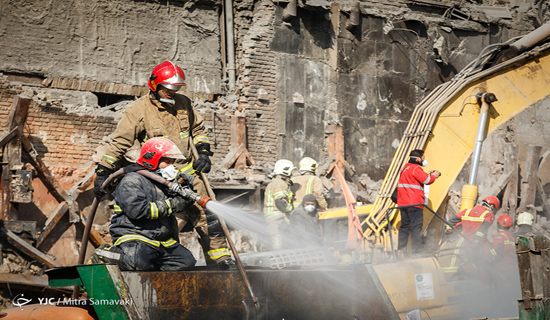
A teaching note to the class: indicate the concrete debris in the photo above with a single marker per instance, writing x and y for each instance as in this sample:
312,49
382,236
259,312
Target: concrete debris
12,263
317,4
495,12
372,189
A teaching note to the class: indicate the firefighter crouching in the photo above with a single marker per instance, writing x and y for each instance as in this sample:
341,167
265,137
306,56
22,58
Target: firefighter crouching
143,227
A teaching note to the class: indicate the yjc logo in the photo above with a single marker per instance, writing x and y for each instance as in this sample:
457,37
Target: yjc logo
20,301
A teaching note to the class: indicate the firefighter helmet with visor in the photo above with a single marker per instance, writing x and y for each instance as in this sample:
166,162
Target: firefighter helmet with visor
283,167
156,148
307,164
168,75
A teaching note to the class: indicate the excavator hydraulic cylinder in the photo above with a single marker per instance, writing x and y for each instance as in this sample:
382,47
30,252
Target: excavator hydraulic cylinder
469,196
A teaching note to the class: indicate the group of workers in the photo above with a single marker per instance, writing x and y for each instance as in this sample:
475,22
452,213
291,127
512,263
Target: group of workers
148,216
467,247
291,204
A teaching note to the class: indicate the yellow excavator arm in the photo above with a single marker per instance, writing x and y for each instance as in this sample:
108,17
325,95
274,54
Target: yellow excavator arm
445,124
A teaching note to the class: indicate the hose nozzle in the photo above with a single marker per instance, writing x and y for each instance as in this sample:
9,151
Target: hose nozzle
202,201
191,196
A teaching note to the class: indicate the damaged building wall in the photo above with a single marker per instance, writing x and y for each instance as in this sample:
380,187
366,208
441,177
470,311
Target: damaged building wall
92,46
367,78
294,78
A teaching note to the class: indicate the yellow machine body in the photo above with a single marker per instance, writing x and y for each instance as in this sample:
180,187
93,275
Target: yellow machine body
420,284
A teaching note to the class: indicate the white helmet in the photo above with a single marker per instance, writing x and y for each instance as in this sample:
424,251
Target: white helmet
283,167
307,165
525,218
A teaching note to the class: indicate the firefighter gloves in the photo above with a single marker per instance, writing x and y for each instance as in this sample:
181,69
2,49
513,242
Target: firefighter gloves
178,204
203,163
102,174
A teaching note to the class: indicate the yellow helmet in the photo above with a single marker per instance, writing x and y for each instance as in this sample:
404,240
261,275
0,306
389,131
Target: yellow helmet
525,218
283,167
307,165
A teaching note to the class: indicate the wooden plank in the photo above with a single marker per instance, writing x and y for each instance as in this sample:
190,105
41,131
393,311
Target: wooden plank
27,249
233,197
26,280
95,238
510,197
501,183
52,221
544,197
43,173
12,151
232,156
78,188
18,113
7,135
529,180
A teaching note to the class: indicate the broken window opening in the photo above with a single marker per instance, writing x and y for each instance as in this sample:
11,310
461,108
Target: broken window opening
109,99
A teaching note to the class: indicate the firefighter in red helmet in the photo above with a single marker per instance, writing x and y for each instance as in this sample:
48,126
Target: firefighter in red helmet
164,113
503,247
476,222
143,227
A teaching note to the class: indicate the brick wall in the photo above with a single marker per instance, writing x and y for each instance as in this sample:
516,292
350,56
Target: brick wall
259,71
64,141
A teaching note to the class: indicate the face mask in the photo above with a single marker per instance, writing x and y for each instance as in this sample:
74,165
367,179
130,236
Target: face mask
169,173
169,101
423,163
309,208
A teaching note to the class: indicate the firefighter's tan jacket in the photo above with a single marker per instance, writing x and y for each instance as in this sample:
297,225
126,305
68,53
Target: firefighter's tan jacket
147,118
277,189
309,184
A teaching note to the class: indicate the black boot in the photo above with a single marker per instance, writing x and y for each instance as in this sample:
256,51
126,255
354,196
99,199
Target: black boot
228,264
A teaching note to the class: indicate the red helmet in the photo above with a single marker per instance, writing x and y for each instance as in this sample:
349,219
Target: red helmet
156,148
167,74
505,221
492,200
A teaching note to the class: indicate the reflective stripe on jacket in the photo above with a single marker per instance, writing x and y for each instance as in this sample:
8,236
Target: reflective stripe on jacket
410,188
472,221
503,248
147,118
276,189
309,184
136,214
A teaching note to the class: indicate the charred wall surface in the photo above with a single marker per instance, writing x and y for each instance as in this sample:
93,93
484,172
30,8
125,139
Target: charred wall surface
388,64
